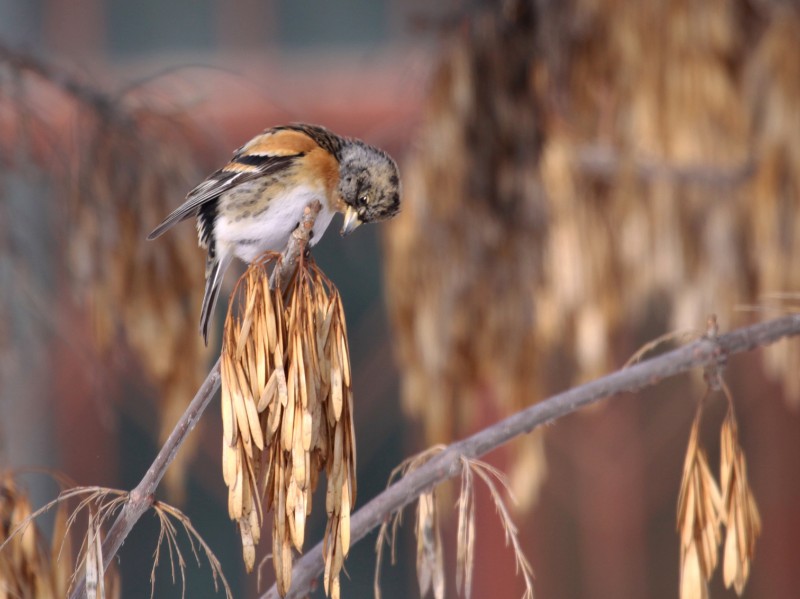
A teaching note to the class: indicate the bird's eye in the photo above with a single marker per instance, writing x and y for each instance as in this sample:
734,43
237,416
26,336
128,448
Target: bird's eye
363,200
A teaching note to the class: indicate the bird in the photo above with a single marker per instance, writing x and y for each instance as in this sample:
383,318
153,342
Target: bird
252,204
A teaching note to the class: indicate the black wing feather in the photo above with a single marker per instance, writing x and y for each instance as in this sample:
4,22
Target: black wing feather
222,181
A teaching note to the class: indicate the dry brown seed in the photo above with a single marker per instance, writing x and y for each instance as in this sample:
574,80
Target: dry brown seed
338,450
336,392
274,420
261,356
253,423
301,371
308,431
229,465
429,552
247,319
242,424
699,507
251,369
342,350
298,517
324,322
693,583
280,503
328,555
298,457
269,394
338,554
255,519
740,511
283,391
345,518
248,544
228,429
237,489
288,413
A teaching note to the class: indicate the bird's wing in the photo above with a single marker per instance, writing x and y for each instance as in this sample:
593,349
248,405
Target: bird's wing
260,157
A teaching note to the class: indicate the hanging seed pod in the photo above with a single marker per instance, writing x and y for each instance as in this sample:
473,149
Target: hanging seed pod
287,413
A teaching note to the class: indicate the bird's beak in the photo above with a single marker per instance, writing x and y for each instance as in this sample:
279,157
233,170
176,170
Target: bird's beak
351,221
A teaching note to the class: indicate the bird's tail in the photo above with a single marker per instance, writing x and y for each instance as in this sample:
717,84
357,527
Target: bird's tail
215,271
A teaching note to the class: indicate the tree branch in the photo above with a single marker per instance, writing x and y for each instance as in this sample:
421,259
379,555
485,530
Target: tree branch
446,465
21,61
603,161
141,498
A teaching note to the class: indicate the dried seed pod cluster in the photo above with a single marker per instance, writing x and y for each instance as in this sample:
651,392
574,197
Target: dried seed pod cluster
113,176
702,509
129,173
469,244
287,414
29,566
618,201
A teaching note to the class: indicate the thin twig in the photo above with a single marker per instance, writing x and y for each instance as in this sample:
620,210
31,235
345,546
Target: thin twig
298,242
447,464
143,496
603,161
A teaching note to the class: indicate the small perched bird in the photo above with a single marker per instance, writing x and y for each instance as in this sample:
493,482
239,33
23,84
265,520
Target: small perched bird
252,204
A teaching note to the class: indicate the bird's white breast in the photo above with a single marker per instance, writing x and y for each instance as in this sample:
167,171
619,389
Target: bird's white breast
247,229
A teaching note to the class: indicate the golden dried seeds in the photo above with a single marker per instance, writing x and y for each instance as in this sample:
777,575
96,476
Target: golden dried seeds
699,519
742,521
287,413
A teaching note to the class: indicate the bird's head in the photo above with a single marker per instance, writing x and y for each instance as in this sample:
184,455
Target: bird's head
369,185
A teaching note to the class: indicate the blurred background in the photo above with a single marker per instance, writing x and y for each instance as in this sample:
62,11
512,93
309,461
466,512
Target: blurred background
580,177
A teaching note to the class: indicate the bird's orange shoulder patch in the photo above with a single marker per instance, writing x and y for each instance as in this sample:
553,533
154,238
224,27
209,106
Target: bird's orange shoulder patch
322,165
280,143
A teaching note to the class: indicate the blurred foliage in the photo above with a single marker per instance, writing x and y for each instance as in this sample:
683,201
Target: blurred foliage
30,566
581,167
117,172
589,174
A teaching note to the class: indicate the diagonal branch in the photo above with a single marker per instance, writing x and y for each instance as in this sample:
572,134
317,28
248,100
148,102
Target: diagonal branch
447,464
66,82
141,498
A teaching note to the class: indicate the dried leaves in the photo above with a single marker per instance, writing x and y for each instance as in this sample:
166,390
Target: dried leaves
430,560
679,124
490,477
172,520
430,557
100,503
30,569
467,247
93,560
465,551
113,175
430,564
287,414
471,243
130,171
702,509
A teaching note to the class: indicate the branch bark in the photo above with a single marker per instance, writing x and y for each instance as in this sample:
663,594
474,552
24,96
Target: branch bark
603,161
67,83
446,465
141,498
